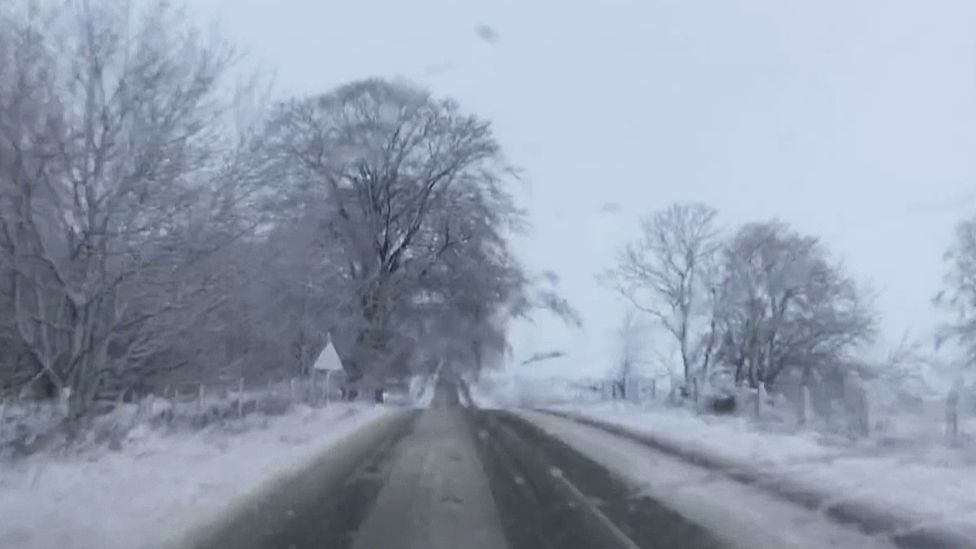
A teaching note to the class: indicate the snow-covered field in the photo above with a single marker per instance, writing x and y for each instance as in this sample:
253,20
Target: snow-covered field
929,481
158,486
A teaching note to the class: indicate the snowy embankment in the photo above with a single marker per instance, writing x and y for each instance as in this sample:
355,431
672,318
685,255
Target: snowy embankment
929,485
158,487
737,515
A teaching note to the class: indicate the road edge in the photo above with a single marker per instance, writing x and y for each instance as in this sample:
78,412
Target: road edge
869,517
238,524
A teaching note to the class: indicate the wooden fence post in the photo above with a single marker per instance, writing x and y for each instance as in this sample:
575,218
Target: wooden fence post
240,397
325,389
952,412
760,395
803,415
857,403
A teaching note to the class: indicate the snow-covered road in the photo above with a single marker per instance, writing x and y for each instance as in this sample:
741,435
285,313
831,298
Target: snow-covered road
476,478
437,495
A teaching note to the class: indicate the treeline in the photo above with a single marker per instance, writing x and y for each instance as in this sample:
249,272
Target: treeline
749,305
152,228
752,303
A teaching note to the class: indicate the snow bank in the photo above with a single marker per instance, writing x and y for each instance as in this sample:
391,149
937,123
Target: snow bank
757,519
927,483
159,486
736,437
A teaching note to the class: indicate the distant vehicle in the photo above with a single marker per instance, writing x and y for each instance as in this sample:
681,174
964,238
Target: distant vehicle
397,391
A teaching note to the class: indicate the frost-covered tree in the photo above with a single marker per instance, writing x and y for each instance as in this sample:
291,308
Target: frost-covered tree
632,336
412,193
118,189
150,233
666,273
784,304
959,294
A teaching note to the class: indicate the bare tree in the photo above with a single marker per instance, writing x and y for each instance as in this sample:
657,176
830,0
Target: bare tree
113,187
413,193
783,304
665,273
959,295
632,337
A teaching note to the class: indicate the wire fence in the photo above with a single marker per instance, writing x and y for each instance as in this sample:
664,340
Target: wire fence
849,409
27,425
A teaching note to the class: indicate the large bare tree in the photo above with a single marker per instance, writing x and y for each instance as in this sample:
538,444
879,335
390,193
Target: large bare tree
116,185
959,294
666,274
783,304
405,181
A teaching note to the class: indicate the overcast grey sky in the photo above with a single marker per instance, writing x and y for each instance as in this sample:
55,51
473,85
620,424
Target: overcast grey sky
851,120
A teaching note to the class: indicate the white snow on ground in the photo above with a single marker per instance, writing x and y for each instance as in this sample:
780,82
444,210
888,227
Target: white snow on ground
742,515
930,482
159,486
734,436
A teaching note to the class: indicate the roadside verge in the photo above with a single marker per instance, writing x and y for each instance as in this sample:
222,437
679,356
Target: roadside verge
272,509
873,516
